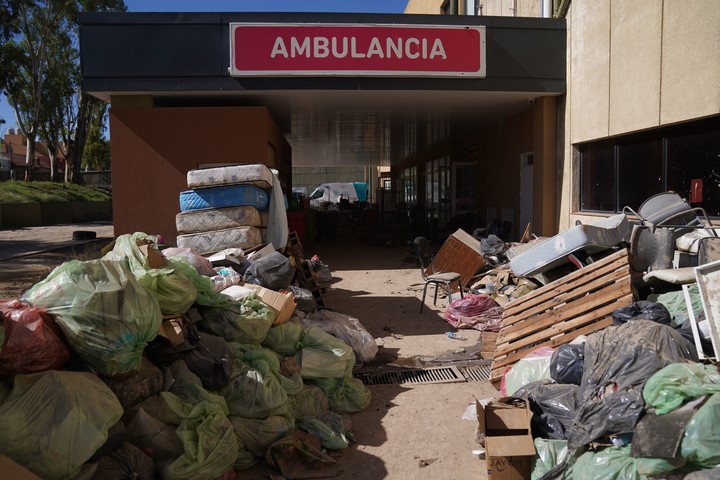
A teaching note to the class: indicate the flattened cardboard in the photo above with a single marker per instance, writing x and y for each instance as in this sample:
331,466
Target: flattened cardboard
258,254
509,447
10,469
155,258
282,303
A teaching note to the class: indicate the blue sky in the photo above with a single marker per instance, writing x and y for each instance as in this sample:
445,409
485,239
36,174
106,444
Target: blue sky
354,6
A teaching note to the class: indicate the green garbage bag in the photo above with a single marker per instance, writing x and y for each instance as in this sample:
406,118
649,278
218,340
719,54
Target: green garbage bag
284,339
254,392
670,387
245,321
611,463
324,356
310,400
330,427
701,443
208,437
107,316
188,386
53,422
675,303
257,434
4,391
285,370
345,395
174,290
548,454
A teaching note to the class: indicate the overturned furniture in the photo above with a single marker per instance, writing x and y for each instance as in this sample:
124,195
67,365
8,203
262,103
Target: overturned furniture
558,250
577,304
431,275
663,218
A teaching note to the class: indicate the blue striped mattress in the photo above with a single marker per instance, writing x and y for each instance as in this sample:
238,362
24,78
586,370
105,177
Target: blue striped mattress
225,196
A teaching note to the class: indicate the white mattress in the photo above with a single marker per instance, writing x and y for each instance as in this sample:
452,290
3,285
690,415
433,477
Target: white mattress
591,238
255,174
195,221
214,241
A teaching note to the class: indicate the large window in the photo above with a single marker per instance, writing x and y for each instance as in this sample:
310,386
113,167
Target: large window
627,170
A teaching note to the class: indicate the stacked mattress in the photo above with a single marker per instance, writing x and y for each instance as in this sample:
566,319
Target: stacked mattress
224,208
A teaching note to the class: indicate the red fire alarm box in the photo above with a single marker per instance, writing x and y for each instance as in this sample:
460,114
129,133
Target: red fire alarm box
696,186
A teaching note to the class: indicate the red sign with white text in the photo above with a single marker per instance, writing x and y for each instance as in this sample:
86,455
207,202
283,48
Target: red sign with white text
357,50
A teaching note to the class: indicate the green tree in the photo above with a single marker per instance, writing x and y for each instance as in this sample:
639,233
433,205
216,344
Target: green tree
42,79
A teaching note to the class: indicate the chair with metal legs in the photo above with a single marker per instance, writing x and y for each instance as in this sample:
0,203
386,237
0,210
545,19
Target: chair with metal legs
429,275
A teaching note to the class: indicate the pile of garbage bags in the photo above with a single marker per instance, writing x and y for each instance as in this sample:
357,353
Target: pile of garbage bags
132,365
631,401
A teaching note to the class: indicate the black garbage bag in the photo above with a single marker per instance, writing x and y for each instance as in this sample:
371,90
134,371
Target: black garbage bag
272,271
207,356
643,310
618,361
566,364
554,407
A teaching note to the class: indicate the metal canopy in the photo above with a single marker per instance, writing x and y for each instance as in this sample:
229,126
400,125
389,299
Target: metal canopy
181,59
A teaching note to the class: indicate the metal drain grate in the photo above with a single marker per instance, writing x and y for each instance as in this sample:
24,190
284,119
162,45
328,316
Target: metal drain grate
476,373
414,377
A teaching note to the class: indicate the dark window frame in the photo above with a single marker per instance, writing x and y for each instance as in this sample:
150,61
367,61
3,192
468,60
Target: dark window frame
674,141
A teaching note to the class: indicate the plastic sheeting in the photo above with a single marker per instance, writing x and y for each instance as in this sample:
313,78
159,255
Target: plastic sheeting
618,361
53,422
106,314
277,226
475,311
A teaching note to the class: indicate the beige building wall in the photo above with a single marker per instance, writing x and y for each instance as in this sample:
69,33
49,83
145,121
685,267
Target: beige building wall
635,66
424,6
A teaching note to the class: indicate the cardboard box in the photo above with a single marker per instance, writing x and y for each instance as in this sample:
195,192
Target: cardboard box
171,328
10,469
282,303
509,448
256,255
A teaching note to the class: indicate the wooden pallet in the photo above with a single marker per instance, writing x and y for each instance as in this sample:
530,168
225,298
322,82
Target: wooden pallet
580,303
